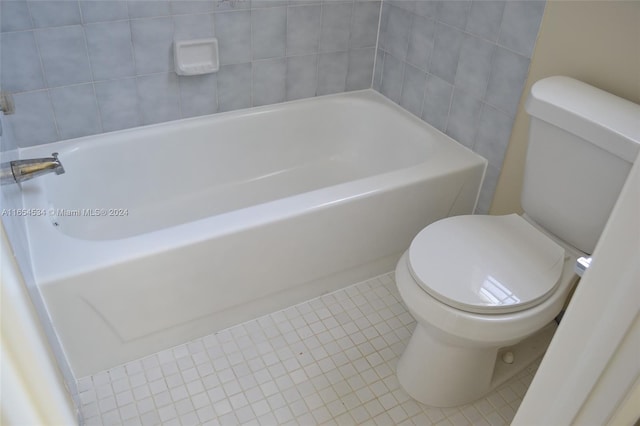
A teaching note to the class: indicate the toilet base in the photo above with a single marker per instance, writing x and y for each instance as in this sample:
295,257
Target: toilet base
442,375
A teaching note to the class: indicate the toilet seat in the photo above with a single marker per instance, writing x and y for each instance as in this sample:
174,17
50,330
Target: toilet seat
486,264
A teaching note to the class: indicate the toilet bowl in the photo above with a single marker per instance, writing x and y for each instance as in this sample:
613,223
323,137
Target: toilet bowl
485,290
517,280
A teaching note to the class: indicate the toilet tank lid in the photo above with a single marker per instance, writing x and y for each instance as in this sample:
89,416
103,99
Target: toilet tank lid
605,120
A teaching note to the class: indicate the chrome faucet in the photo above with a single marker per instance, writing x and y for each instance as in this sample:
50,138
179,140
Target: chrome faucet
20,170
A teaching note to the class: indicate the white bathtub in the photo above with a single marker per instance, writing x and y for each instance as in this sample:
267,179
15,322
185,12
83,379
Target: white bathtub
216,220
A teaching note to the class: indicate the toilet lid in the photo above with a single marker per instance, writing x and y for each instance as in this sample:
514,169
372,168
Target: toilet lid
486,264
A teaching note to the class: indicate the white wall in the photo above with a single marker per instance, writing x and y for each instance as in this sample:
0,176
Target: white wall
591,41
33,391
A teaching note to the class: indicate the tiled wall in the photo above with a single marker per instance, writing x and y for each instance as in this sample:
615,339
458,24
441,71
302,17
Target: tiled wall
460,66
78,68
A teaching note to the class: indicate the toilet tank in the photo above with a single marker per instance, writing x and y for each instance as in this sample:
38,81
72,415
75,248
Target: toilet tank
582,144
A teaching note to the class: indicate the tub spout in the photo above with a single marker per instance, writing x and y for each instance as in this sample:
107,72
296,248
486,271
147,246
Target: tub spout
21,170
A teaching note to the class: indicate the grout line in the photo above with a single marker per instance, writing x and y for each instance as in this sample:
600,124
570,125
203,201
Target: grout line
375,57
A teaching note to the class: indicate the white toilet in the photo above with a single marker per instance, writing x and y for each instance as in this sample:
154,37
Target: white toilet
485,289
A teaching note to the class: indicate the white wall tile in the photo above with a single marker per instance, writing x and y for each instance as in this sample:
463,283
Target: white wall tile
269,32
198,94
118,104
334,34
103,10
520,25
159,101
15,16
152,44
233,30
188,27
332,72
110,50
76,111
34,122
413,89
233,90
20,63
303,29
394,30
148,8
54,13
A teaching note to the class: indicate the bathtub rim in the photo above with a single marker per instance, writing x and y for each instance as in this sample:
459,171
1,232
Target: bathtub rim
147,244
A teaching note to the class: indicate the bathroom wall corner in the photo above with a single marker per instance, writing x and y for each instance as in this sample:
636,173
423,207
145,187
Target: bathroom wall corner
575,40
461,69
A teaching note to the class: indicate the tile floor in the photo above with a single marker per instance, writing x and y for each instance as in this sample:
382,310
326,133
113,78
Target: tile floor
330,360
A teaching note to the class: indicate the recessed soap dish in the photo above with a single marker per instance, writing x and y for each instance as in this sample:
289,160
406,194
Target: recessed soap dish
195,57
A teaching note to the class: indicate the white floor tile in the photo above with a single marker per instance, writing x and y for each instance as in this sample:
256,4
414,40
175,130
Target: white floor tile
330,360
